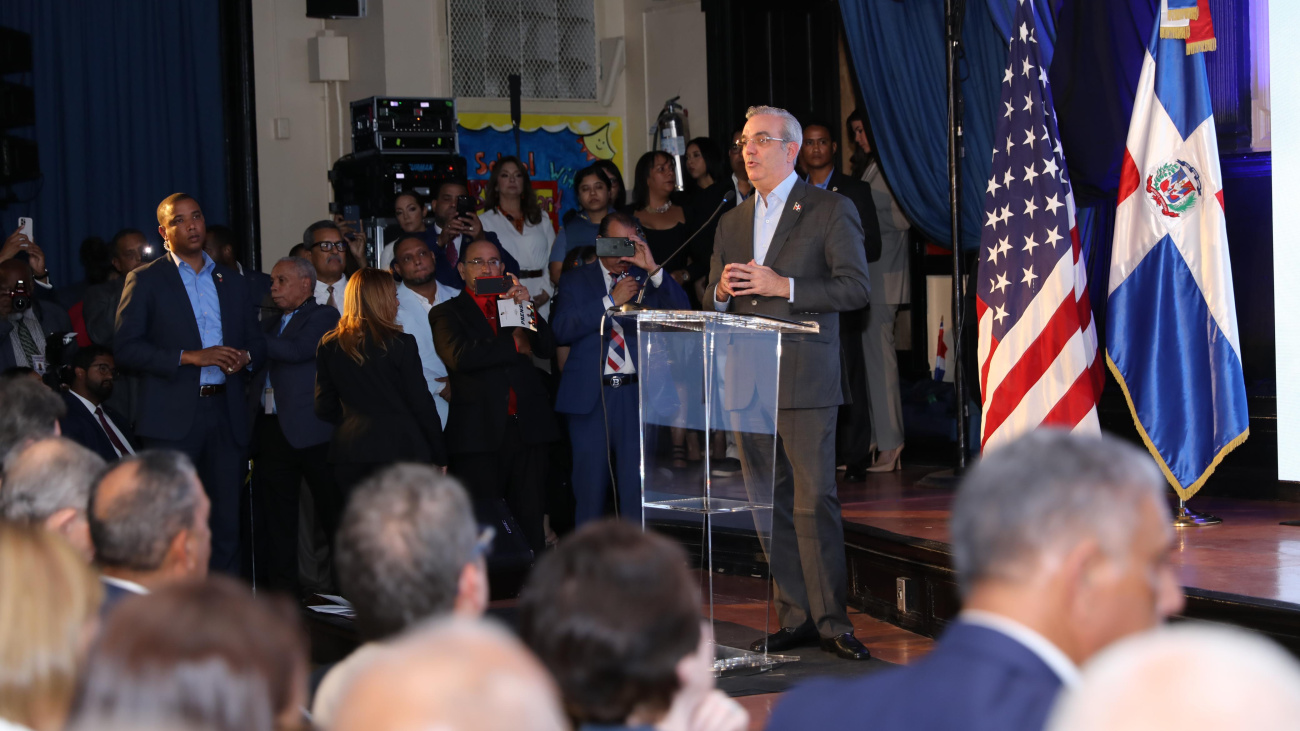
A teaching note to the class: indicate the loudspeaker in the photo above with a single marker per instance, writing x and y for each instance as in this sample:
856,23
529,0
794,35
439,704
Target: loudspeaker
336,8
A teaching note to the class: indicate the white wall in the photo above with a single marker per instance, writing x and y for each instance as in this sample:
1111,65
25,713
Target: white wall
401,49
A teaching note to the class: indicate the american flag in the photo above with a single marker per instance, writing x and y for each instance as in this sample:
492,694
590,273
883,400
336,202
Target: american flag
1038,357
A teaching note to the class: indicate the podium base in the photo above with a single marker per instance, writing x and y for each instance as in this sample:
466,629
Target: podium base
732,661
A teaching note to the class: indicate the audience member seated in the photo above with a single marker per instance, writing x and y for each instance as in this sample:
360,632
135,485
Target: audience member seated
418,292
89,420
28,411
326,246
614,614
370,385
586,293
48,602
523,229
592,189
457,673
47,484
100,305
149,524
1191,677
25,319
501,419
1062,546
206,653
408,550
225,248
290,443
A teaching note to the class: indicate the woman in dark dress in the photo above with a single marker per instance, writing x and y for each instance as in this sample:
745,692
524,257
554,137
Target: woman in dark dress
370,384
663,221
710,181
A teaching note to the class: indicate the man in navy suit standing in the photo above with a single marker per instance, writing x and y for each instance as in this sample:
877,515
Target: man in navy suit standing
187,325
291,443
586,292
90,421
1062,546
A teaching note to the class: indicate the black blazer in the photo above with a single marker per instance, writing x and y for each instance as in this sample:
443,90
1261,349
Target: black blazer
382,410
79,425
483,367
860,193
155,322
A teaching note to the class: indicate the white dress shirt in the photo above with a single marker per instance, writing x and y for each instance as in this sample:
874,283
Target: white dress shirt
608,302
322,292
118,432
767,216
130,586
413,318
1042,647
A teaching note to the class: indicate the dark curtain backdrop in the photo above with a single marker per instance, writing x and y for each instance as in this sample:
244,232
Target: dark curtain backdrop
898,55
128,110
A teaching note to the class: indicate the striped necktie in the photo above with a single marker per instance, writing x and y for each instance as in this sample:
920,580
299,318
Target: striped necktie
616,355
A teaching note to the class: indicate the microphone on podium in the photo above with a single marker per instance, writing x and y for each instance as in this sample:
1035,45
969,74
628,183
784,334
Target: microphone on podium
630,305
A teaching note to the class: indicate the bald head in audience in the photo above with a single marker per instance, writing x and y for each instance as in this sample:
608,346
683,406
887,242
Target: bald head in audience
149,520
47,483
1185,678
462,674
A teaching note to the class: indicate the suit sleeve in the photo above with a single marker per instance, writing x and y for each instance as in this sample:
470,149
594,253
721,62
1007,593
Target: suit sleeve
301,346
460,352
575,316
416,392
847,288
543,340
256,340
327,405
669,295
131,346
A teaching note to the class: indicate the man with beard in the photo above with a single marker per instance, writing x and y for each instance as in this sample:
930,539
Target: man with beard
418,293
89,421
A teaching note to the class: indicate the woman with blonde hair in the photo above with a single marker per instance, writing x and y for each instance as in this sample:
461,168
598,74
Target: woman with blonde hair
523,228
370,384
49,610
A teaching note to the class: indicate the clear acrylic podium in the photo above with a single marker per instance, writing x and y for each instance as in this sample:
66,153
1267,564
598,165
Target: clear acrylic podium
714,373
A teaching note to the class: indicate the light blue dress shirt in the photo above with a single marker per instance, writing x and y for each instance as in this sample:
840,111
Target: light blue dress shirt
767,215
413,318
202,291
284,321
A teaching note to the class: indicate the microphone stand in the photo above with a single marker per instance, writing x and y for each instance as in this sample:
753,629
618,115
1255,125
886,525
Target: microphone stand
632,306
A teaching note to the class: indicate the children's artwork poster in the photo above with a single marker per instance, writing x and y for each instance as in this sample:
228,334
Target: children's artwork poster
553,146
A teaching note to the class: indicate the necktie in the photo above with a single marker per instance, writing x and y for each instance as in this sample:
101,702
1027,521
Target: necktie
27,342
331,301
452,256
615,356
112,435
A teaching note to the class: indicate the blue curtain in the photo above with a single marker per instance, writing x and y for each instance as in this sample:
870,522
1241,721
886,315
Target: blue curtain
898,54
1002,11
128,108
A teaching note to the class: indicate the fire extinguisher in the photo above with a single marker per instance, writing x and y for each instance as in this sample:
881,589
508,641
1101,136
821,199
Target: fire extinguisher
670,136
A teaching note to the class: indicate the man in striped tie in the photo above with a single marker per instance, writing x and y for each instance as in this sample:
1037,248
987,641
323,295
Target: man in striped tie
586,293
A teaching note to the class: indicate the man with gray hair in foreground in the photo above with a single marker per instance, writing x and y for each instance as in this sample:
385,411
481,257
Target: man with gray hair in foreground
408,550
463,674
1061,545
149,524
1192,677
47,483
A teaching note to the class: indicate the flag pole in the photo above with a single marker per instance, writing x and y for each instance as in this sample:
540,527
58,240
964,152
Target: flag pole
953,16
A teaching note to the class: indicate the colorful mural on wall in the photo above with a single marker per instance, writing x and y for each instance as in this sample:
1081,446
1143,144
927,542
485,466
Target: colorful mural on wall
553,146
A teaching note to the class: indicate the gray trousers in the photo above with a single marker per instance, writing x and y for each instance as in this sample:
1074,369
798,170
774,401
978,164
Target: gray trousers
806,547
882,376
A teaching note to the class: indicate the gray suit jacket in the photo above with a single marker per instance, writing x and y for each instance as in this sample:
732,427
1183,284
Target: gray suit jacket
818,242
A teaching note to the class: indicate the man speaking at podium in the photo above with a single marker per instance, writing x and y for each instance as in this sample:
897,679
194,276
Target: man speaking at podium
795,251
585,294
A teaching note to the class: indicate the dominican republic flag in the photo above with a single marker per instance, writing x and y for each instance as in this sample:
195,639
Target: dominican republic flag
1038,356
1171,335
940,355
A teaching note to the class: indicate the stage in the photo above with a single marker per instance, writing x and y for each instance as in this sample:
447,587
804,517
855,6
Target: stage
1245,571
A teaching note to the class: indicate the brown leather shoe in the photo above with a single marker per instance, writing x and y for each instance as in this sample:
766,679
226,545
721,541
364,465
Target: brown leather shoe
846,646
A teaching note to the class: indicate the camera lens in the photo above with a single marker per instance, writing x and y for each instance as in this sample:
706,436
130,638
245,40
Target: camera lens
20,301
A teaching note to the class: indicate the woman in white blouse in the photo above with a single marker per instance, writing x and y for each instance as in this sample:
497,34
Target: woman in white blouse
512,213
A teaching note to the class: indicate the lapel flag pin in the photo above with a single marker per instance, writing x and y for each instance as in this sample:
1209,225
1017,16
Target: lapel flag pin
218,275
798,207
